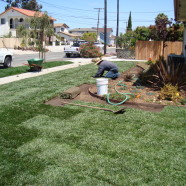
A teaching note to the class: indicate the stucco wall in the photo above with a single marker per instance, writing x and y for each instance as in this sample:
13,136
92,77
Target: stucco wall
58,29
5,28
10,42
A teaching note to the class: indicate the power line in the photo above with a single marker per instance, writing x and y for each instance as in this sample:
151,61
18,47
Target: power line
156,12
65,7
100,19
59,6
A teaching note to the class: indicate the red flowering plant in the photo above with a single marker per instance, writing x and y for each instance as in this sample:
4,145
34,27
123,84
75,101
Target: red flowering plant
89,50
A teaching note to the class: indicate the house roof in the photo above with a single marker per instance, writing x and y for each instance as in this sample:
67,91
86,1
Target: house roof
83,30
90,30
67,34
102,30
60,25
179,10
29,13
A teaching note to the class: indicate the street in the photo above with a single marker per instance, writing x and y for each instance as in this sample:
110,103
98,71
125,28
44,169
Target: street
21,58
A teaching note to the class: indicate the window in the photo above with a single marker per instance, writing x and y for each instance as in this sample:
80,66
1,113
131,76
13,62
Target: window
62,29
3,20
21,20
11,23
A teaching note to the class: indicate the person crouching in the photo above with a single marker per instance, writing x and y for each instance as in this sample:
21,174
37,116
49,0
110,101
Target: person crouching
104,65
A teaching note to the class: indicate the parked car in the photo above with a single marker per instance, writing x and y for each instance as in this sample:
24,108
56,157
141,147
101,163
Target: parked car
72,50
81,42
6,58
100,45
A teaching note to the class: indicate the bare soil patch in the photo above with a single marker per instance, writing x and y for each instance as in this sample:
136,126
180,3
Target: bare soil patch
144,98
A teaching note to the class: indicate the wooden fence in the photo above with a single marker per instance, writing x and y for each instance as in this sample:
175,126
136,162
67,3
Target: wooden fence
153,49
10,42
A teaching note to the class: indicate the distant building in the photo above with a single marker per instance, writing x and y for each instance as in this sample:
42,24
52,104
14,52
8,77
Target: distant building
78,32
61,29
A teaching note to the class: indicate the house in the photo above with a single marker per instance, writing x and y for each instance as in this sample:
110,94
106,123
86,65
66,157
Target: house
109,35
180,15
112,40
80,31
13,17
61,29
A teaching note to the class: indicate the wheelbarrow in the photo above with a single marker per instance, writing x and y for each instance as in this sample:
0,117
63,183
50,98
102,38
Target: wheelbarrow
35,64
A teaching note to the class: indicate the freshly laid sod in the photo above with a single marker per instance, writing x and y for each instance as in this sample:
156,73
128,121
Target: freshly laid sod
70,145
4,72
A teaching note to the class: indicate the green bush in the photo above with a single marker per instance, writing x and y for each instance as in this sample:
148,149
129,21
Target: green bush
89,50
169,92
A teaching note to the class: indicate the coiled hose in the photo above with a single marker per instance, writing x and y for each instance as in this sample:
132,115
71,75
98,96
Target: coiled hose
126,95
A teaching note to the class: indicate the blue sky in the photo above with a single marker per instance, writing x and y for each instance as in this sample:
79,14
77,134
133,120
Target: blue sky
82,13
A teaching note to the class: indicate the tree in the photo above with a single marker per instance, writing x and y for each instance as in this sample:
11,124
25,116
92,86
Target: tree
90,37
41,29
31,5
161,17
129,27
142,33
22,32
165,29
162,22
126,40
11,3
176,31
25,4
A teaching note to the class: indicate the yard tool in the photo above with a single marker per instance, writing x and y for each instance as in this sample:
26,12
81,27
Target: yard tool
120,111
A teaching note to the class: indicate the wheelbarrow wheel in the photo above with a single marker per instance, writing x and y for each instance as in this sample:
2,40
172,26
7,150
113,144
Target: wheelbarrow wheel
35,69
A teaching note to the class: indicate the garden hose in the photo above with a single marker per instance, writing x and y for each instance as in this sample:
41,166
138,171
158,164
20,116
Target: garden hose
126,95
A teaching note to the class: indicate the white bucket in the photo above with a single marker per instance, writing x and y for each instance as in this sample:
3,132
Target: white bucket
102,86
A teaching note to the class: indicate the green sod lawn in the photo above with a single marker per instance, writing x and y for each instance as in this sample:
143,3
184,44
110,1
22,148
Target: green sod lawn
70,145
4,72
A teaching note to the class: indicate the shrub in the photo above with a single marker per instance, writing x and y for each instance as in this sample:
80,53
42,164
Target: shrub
89,50
169,92
162,73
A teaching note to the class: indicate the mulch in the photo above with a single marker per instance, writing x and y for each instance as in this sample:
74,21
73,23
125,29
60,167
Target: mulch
88,93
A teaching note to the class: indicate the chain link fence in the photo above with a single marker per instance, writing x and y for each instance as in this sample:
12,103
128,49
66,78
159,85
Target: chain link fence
125,53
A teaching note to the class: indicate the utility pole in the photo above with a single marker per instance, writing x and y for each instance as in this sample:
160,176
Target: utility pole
126,22
117,27
98,20
105,28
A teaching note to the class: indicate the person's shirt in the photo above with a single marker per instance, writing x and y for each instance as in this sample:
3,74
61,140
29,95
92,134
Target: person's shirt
106,66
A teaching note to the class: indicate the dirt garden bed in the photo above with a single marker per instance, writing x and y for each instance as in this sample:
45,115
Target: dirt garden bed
143,97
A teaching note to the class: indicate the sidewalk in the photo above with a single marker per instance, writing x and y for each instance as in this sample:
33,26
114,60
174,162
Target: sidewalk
76,62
